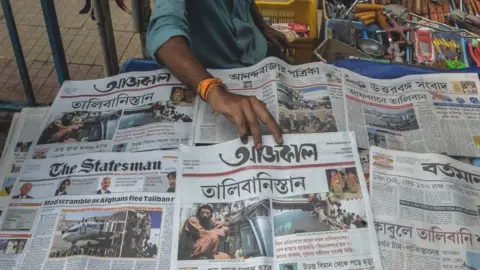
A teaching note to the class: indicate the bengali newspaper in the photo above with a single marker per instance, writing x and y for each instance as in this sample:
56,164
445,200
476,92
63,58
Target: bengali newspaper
426,210
101,211
28,123
300,205
436,113
130,112
297,96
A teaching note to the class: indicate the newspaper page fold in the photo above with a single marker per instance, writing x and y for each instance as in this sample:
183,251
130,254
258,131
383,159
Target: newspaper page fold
425,209
300,205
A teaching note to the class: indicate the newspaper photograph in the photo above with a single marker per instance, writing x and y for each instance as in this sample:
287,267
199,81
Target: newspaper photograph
117,231
298,97
300,205
426,210
130,112
418,113
28,123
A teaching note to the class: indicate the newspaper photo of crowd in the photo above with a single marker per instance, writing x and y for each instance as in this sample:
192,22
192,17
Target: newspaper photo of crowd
307,122
344,182
376,138
238,230
158,112
294,99
318,212
10,246
394,119
126,234
80,126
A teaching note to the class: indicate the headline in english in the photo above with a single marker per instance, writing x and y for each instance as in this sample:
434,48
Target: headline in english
92,165
107,200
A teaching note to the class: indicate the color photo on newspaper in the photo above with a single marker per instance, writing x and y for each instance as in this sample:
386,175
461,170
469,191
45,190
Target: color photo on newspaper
124,233
205,227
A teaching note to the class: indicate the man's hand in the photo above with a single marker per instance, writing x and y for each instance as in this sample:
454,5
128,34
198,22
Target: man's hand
244,111
276,37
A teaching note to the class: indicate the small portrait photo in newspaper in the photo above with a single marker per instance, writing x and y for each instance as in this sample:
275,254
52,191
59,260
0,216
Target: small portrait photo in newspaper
80,126
22,147
318,212
238,230
121,233
288,266
12,246
181,96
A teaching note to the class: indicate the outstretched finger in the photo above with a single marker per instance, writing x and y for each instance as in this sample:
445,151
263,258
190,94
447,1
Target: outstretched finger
253,125
284,41
239,120
264,115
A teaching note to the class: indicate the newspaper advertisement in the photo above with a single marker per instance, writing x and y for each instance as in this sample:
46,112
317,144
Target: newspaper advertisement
97,211
426,210
130,112
435,113
300,205
29,122
298,97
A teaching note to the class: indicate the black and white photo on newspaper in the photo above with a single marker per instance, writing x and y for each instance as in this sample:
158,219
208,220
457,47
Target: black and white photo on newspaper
426,209
130,112
298,97
302,204
420,113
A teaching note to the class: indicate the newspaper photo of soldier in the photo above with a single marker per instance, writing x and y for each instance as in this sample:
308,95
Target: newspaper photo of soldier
159,112
293,122
181,96
377,138
344,182
238,230
295,99
125,234
318,212
9,246
80,126
394,119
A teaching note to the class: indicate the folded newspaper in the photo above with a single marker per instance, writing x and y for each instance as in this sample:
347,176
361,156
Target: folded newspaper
90,212
426,210
300,205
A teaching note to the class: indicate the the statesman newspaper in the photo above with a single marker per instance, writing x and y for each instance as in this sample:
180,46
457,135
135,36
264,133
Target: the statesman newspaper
426,210
300,205
99,211
28,123
130,112
297,96
436,113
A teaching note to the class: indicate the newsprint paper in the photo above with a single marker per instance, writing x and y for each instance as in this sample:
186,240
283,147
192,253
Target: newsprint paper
437,113
28,123
107,210
130,112
298,97
426,210
300,205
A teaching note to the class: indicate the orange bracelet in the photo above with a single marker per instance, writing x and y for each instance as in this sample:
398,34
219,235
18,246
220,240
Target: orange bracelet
203,88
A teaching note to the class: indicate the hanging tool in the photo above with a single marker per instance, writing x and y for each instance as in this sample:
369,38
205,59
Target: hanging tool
474,51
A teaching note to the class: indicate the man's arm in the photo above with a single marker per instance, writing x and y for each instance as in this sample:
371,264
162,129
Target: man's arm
278,39
168,40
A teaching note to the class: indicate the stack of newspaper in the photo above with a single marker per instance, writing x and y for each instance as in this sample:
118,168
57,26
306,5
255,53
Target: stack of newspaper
109,176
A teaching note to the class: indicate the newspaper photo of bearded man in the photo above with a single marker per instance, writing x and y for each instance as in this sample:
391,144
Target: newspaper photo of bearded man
238,230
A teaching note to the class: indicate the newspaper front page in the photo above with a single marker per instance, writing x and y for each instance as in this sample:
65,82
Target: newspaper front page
426,210
420,113
300,205
130,112
96,211
297,96
28,123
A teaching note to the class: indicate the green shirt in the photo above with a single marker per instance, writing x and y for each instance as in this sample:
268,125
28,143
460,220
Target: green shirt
221,33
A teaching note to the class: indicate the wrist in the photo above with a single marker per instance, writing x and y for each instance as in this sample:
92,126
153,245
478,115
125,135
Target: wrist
215,94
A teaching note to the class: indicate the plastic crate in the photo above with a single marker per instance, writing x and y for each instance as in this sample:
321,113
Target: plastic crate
299,11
